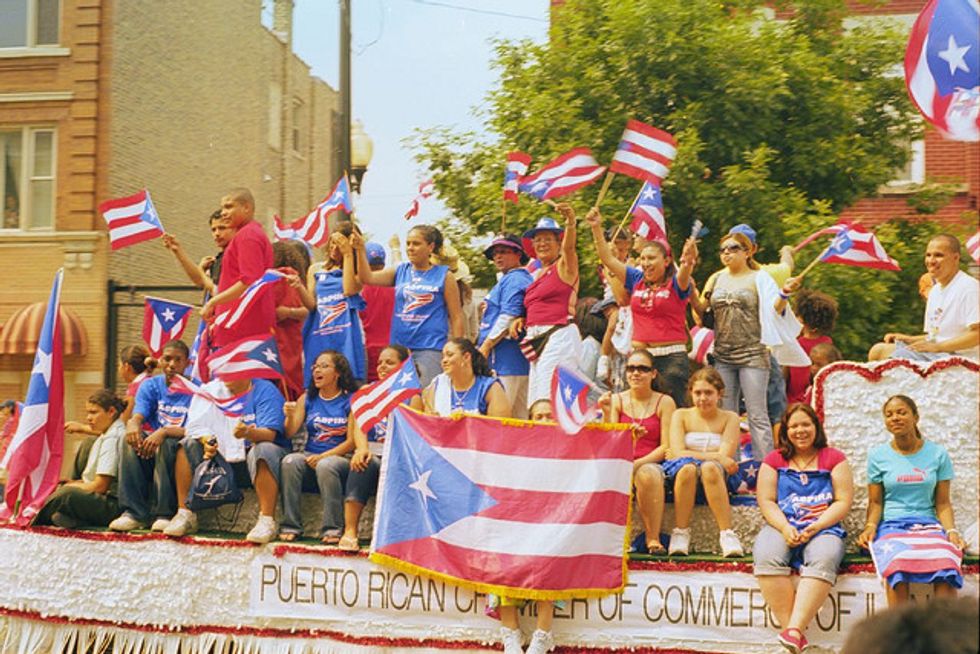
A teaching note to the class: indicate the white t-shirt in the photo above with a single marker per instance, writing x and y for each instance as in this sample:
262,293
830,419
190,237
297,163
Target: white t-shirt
953,308
103,458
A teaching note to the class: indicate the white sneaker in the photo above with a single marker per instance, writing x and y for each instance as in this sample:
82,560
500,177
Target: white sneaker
730,545
126,522
263,531
159,524
185,522
511,639
680,541
541,642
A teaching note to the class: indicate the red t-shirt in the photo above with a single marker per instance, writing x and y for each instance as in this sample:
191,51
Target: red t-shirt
799,376
289,337
246,258
827,459
376,322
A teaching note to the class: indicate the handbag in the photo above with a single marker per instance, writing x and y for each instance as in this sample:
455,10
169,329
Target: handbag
213,484
533,347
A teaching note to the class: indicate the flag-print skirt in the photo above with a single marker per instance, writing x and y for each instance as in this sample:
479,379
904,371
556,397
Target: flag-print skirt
916,550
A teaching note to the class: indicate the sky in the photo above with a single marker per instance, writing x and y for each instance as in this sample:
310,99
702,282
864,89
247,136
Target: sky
414,64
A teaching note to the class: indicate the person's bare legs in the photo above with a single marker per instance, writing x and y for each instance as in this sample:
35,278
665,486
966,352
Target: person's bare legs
713,480
685,487
779,594
352,517
182,477
880,351
649,481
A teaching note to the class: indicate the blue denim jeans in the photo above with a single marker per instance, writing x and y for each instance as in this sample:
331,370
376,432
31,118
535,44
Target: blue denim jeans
775,391
750,383
146,486
329,479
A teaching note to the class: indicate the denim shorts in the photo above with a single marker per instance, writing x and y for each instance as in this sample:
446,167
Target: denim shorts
819,558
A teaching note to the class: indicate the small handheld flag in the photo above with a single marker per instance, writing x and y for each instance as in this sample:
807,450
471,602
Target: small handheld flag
263,284
233,407
517,164
163,321
853,245
644,152
252,357
313,228
426,189
131,220
567,173
574,399
648,214
372,403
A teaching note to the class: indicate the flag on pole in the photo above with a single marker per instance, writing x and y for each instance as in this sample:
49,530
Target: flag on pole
648,214
574,399
566,174
481,503
644,152
973,246
263,284
252,357
163,321
233,407
517,164
853,245
372,403
33,458
193,369
131,220
313,228
426,189
942,67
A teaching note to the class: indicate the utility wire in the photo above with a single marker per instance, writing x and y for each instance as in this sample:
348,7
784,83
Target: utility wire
474,10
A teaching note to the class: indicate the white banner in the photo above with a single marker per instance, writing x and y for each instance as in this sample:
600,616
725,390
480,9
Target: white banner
714,611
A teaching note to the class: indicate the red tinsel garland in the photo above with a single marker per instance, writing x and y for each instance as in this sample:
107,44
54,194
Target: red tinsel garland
875,371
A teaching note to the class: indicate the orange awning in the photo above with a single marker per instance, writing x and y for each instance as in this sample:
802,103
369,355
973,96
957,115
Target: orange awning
20,333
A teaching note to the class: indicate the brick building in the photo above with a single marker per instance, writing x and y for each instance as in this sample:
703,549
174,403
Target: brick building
99,99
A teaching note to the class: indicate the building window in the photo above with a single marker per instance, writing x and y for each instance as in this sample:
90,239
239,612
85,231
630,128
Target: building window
29,23
27,179
914,171
275,116
299,122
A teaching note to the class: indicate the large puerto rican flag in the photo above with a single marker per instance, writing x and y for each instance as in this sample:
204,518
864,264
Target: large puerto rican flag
517,164
915,549
505,507
163,321
648,214
33,459
566,174
313,227
942,67
131,220
251,357
644,152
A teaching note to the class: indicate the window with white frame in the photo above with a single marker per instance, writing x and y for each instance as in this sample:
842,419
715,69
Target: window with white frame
29,23
27,179
914,170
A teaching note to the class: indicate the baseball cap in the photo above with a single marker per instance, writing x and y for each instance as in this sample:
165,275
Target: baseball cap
744,230
375,253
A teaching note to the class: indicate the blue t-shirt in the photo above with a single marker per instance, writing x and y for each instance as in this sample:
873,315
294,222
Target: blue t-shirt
420,321
160,407
263,409
506,298
326,422
335,325
909,480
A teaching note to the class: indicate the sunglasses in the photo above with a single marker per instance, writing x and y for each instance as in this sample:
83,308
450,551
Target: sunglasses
643,369
730,248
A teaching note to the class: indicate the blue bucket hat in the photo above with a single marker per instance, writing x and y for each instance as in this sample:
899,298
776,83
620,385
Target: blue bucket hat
545,225
375,253
744,230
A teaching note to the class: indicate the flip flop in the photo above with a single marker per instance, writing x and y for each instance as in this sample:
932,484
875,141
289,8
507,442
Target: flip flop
287,537
656,548
330,539
349,544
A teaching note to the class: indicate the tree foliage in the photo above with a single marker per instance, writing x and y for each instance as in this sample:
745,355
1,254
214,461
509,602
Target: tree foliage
780,124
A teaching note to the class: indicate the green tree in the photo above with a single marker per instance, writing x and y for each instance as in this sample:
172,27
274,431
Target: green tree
780,124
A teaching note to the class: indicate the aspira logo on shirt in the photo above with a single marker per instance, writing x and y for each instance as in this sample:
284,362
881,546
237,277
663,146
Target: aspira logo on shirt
415,300
329,428
171,415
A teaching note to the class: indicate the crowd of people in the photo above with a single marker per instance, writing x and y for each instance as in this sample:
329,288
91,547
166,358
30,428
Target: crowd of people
351,319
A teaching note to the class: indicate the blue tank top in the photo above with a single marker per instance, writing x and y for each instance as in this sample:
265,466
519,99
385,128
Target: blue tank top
326,422
335,325
473,399
804,496
420,321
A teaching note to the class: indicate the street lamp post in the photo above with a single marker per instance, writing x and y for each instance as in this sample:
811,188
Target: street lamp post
361,149
345,90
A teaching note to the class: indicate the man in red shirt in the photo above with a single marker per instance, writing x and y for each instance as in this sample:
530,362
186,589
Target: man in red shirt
246,258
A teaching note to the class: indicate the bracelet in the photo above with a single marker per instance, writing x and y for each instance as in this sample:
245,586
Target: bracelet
783,295
870,524
954,530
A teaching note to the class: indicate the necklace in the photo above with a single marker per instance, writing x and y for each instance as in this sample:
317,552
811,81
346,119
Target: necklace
459,397
803,467
644,410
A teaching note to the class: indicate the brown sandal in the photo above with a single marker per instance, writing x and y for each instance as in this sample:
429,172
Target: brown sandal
349,544
656,548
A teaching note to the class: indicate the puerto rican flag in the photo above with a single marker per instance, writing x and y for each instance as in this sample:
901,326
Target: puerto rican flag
193,369
426,189
942,67
921,549
33,458
163,321
566,174
313,227
853,245
253,357
131,220
702,344
263,284
474,501
973,247
648,214
644,152
574,399
233,407
372,403
517,164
